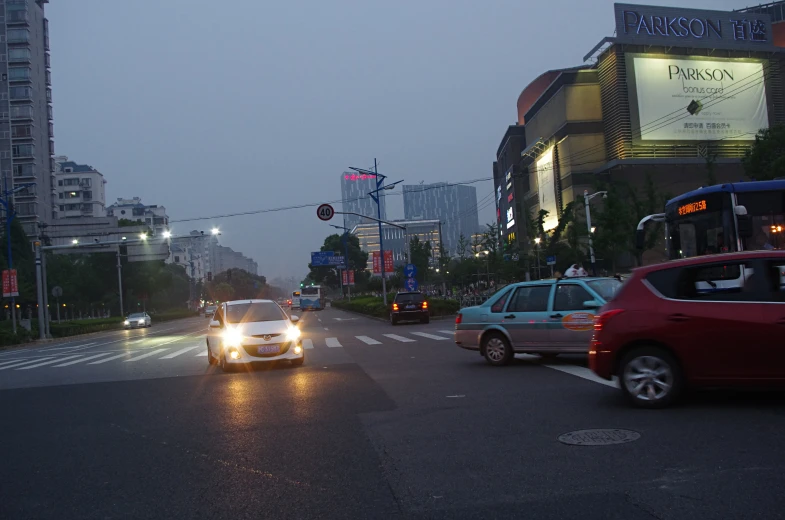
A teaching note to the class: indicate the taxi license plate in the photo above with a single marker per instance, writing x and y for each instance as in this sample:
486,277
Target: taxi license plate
267,349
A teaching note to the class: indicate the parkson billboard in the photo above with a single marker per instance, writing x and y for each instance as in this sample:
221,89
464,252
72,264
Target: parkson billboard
697,99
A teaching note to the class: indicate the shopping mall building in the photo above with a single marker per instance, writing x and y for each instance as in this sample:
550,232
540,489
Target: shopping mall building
671,88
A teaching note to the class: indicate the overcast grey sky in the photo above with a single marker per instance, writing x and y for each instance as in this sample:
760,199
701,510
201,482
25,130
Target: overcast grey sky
218,107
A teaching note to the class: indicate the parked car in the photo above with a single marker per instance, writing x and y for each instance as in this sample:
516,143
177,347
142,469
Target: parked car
137,320
409,306
249,331
545,317
705,321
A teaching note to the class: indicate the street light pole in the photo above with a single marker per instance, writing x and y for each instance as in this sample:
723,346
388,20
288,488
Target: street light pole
586,199
537,249
345,239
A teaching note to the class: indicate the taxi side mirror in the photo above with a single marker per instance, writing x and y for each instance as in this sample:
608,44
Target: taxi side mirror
215,324
592,304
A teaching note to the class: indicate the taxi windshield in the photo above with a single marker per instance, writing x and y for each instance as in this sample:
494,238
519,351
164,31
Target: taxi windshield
252,312
607,288
136,316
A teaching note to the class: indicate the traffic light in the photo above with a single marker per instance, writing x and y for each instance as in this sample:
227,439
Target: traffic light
209,276
302,285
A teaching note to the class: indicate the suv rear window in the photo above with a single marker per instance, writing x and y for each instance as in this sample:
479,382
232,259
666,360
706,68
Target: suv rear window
408,298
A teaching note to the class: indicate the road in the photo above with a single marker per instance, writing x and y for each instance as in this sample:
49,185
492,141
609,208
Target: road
380,422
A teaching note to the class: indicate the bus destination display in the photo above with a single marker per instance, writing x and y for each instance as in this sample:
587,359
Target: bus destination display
692,207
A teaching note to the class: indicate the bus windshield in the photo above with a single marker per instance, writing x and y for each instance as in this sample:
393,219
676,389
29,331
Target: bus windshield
310,291
767,212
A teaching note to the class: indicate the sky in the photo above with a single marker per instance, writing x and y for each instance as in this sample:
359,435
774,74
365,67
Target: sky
213,108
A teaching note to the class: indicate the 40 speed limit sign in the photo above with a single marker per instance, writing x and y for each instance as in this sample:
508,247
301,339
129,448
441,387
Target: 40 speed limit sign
325,212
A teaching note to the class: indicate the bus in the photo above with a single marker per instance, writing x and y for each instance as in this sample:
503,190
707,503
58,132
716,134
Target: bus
295,299
741,216
312,298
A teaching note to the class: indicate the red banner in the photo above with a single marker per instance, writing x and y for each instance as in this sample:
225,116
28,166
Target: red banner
389,265
347,279
377,265
10,283
351,277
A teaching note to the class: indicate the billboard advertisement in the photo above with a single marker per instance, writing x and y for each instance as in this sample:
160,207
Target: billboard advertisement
389,265
698,99
547,189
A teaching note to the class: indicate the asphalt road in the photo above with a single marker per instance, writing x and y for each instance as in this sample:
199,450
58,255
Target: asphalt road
380,422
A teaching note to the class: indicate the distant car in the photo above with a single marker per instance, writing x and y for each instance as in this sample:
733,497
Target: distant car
545,317
409,306
209,311
138,320
249,331
705,321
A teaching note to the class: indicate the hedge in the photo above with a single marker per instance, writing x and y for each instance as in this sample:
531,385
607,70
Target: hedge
374,306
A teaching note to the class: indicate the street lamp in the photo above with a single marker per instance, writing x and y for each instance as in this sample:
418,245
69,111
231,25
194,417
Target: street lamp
215,231
586,199
593,228
537,249
167,234
143,236
75,241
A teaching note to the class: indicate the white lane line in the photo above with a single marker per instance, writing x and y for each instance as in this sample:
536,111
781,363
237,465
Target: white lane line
450,332
28,367
203,354
81,360
368,341
429,336
109,358
154,352
180,338
17,360
23,363
332,342
402,339
583,373
70,347
181,351
307,343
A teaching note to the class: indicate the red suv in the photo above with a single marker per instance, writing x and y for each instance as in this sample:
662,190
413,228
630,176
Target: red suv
714,320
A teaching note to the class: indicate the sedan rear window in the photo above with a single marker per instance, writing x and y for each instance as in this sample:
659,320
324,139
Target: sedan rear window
251,312
408,298
607,288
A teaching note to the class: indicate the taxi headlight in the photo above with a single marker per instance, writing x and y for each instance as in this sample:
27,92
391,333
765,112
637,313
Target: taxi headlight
292,333
126,322
232,337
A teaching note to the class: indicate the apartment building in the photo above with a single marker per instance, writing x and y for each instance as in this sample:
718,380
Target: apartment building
154,216
80,190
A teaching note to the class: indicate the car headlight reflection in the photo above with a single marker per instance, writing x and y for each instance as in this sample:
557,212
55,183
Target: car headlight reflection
233,337
126,322
292,333
141,321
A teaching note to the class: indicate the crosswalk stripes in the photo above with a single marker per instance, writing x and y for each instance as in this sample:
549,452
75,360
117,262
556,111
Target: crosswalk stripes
203,354
332,342
11,362
20,363
402,339
307,343
450,332
118,356
368,341
28,367
179,352
153,353
430,336
80,360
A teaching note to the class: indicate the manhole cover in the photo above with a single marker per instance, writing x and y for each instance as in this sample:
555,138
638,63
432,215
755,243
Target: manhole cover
601,437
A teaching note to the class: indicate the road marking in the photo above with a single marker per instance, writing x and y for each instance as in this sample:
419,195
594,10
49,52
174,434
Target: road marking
402,339
70,347
333,342
429,336
368,341
583,373
109,359
12,361
307,343
81,359
326,328
23,363
154,352
28,367
203,354
450,332
181,351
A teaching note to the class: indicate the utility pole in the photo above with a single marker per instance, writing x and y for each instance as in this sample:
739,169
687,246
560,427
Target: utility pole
120,280
40,288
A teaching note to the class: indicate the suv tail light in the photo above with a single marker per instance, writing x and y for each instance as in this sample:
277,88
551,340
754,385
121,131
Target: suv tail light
458,319
395,306
424,305
602,319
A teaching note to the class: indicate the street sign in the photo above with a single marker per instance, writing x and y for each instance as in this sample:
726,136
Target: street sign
10,283
321,258
550,260
336,260
57,291
410,270
325,212
410,284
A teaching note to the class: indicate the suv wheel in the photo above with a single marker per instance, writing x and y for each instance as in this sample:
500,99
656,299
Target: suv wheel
650,377
496,349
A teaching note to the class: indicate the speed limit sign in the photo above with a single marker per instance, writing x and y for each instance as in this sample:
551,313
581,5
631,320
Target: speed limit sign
325,212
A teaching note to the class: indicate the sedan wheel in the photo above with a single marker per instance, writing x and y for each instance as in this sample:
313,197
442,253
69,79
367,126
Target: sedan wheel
650,378
497,349
210,358
225,366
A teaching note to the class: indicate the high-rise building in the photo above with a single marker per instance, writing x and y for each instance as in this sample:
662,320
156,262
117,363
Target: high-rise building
355,188
80,190
398,240
26,132
455,206
154,216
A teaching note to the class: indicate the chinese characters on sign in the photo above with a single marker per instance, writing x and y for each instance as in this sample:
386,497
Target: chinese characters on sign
348,280
389,266
10,283
692,207
358,176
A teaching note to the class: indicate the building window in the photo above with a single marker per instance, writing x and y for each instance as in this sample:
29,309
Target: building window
24,170
48,77
19,73
138,212
18,35
60,195
177,259
87,182
22,131
20,111
17,55
87,195
48,95
71,194
51,147
21,92
47,60
71,182
50,113
51,129
22,150
62,208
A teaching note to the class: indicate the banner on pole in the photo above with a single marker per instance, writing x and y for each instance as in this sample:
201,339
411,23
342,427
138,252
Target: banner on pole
10,283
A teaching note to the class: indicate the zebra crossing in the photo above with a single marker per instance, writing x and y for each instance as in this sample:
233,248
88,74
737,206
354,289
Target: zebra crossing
160,353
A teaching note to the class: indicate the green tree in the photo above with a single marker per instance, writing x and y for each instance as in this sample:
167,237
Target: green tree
327,275
766,159
644,201
23,261
221,292
462,249
421,256
613,221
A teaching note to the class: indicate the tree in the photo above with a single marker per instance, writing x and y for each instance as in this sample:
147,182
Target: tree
462,248
358,259
420,257
222,292
642,202
614,230
766,159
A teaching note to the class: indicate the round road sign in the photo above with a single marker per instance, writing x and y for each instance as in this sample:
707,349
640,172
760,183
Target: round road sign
325,212
57,291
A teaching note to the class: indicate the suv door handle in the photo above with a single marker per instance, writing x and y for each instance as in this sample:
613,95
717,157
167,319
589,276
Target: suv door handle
556,316
678,317
509,316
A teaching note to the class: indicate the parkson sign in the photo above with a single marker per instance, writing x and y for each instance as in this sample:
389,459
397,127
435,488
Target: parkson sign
651,25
